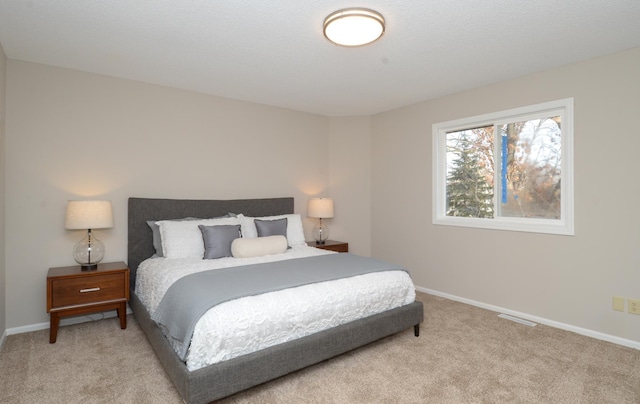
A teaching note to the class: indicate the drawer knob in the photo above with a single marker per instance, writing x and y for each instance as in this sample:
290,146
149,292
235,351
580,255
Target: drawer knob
89,290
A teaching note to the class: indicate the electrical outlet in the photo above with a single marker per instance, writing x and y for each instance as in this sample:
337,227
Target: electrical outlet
618,303
634,306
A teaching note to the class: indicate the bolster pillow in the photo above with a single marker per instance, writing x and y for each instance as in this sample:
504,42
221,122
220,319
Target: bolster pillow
258,246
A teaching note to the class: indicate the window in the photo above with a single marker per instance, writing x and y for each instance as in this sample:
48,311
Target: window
509,170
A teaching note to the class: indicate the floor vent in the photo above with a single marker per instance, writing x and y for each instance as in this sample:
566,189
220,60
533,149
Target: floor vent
517,320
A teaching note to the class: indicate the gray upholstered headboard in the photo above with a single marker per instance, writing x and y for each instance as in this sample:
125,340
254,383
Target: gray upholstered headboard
140,244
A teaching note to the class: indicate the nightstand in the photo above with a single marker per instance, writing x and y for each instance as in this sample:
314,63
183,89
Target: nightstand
72,291
332,245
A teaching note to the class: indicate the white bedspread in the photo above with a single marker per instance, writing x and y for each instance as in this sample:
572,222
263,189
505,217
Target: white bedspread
246,325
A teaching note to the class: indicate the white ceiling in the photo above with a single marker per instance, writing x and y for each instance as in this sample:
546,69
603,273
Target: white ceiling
273,52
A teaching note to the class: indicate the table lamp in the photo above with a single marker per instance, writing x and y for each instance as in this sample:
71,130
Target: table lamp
320,208
88,215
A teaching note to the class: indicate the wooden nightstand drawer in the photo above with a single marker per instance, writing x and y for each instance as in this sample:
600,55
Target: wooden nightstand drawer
91,289
72,291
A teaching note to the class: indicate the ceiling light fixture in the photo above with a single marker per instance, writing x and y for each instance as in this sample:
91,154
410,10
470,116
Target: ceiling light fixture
353,26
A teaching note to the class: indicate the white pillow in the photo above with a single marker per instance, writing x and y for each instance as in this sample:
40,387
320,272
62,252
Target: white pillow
184,239
295,232
258,247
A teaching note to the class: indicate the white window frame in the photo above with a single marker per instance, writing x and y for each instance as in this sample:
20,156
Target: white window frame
563,226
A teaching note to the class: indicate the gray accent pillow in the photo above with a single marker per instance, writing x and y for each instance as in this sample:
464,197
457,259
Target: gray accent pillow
218,239
268,228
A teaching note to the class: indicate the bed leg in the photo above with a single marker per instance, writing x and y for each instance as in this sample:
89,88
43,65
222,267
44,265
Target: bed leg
416,330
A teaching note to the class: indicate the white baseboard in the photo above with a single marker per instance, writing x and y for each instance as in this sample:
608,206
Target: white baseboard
63,322
4,336
551,323
535,319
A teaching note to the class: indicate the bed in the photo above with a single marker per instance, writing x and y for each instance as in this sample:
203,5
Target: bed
227,377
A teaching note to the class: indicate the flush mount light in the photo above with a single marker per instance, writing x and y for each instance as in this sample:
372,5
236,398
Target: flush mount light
353,26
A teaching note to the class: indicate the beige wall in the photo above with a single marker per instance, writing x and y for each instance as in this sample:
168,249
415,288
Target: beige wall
79,135
570,280
3,304
350,182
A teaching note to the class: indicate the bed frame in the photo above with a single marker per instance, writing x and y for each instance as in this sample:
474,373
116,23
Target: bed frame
225,378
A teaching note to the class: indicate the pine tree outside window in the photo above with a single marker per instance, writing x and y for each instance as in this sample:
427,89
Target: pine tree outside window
469,178
510,170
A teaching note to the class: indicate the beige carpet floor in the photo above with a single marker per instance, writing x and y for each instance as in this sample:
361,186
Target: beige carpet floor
463,355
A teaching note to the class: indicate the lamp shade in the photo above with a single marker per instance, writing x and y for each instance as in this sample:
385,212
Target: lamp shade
88,215
320,208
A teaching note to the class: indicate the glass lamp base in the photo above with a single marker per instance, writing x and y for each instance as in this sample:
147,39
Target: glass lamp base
320,233
88,252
